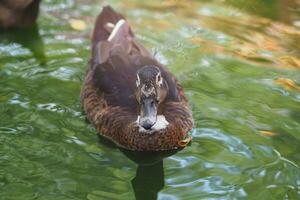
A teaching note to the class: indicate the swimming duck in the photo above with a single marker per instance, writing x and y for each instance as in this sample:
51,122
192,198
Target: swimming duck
18,13
129,96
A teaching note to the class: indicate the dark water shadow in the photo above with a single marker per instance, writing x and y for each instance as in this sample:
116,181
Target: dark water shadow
28,37
149,178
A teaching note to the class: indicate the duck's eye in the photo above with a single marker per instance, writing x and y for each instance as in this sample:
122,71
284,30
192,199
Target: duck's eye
152,103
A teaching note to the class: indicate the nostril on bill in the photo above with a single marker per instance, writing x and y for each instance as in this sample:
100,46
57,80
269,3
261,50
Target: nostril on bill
147,125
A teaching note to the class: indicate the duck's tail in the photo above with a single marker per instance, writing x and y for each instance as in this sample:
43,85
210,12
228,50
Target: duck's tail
112,32
108,25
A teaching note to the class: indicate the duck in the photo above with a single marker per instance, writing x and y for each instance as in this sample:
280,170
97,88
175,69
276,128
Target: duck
18,13
128,96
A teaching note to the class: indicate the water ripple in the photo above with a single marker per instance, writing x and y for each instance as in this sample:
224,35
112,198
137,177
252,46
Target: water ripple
234,144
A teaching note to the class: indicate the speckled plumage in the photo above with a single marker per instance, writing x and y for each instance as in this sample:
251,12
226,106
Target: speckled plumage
108,92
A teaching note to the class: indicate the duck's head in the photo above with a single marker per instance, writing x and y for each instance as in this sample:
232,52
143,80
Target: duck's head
151,91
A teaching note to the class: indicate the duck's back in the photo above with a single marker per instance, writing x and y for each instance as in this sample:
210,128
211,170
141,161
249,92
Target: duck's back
108,94
117,57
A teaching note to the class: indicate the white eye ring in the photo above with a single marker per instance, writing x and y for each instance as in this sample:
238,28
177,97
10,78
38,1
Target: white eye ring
159,80
138,82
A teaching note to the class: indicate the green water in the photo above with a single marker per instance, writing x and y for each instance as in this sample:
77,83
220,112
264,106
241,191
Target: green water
228,55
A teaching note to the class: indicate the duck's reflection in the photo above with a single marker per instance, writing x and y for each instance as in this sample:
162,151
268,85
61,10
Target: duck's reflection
149,178
28,37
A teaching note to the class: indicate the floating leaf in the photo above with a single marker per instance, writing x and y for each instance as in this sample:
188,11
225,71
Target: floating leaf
288,84
290,61
164,24
77,24
196,40
268,133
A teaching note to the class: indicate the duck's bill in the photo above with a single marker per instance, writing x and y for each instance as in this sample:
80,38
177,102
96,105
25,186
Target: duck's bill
148,114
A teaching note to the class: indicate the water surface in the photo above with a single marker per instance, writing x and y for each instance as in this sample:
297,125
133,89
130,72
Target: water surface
238,62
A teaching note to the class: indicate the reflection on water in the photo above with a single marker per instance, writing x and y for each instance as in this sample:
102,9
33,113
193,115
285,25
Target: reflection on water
149,177
279,10
149,180
238,62
28,37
